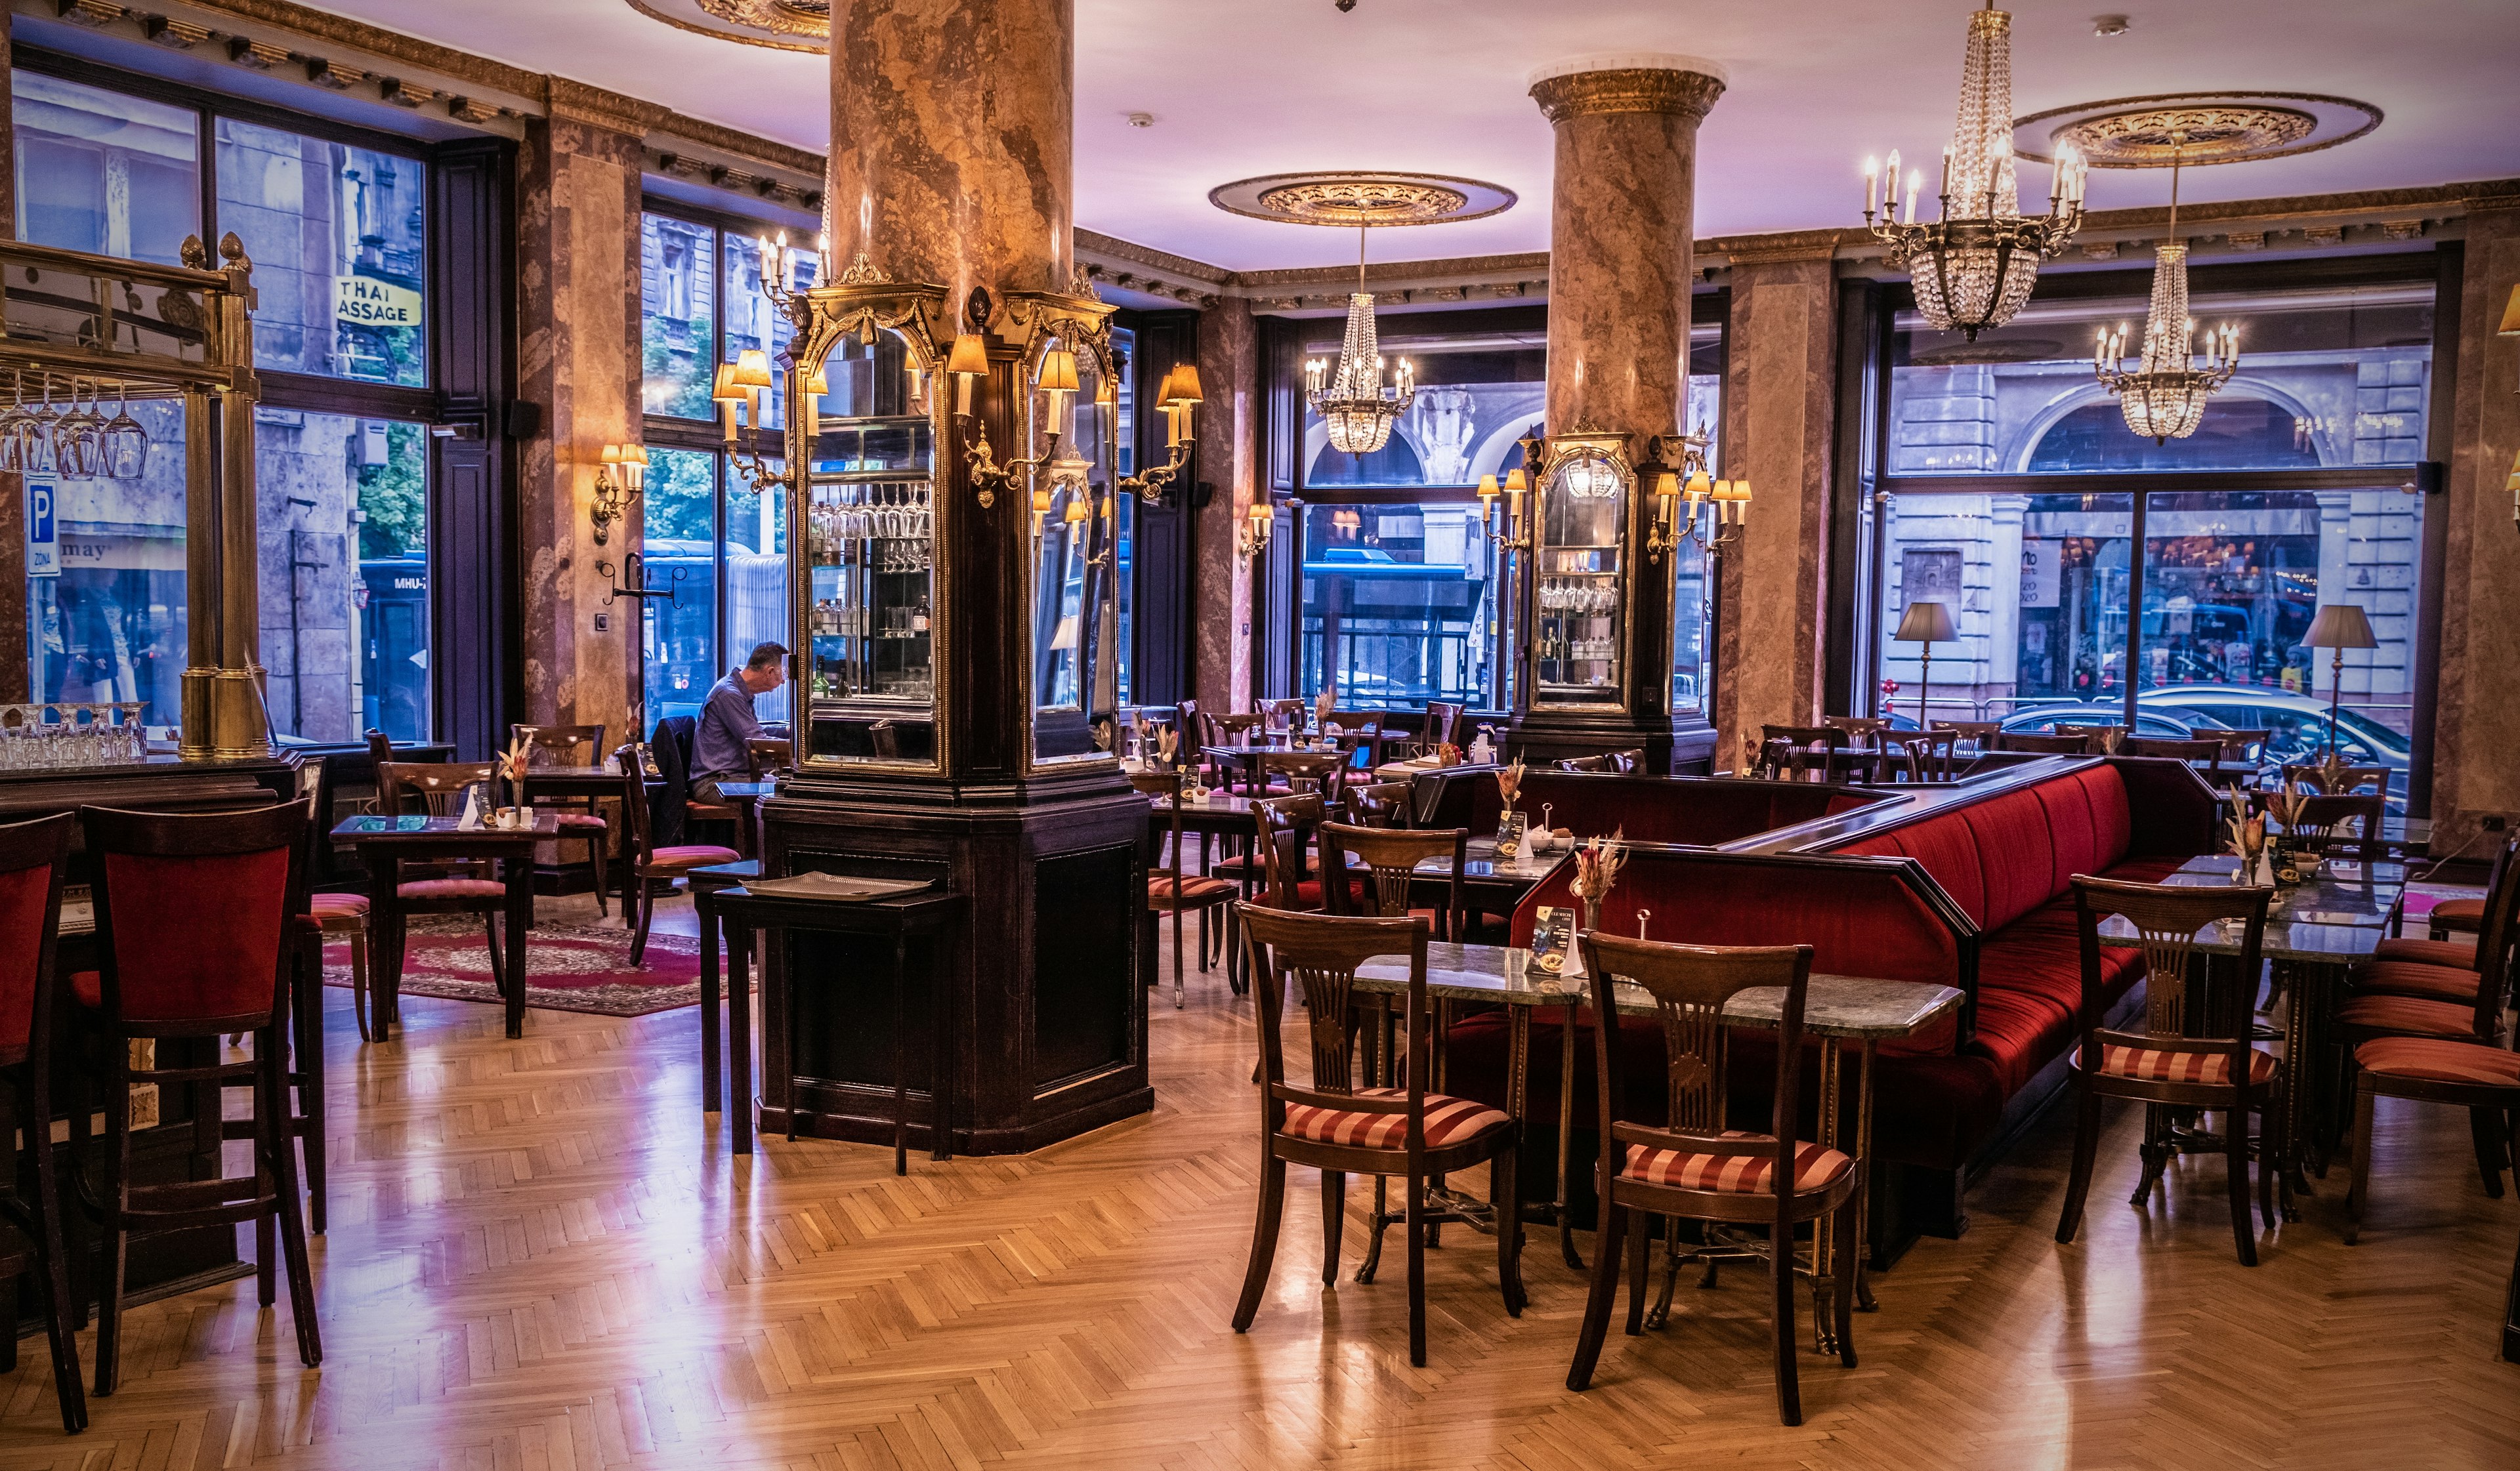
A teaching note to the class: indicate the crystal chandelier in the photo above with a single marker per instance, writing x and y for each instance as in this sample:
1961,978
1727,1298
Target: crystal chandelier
2166,397
1974,267
1355,405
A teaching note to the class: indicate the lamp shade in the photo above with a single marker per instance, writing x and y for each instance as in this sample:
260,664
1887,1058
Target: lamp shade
969,355
751,369
723,388
1926,621
612,453
2510,316
1181,386
2340,625
1057,370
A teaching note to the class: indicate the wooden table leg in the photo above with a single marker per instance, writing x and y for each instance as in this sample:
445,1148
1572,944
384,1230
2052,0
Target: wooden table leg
520,917
708,998
901,1052
941,1076
738,1035
1566,1132
387,928
1829,1131
1863,1151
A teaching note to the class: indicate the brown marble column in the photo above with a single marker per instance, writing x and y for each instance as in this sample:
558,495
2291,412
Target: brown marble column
1620,213
1228,458
1780,417
578,271
953,141
2478,720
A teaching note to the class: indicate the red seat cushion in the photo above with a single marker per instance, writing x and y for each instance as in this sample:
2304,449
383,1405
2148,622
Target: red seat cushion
25,899
2435,1061
2458,913
1193,890
2409,1016
2460,955
87,988
2163,1065
1308,894
1448,1121
2432,983
2016,854
452,888
1816,1167
320,904
581,820
692,856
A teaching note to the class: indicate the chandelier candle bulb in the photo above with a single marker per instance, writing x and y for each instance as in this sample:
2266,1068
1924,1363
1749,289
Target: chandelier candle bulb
1915,181
1871,187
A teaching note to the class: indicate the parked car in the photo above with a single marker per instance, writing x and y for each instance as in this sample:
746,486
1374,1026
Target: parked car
2298,725
2042,720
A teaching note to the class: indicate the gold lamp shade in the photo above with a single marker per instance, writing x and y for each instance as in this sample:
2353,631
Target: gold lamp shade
1927,621
1057,370
752,368
723,388
969,355
2340,625
2511,326
1181,386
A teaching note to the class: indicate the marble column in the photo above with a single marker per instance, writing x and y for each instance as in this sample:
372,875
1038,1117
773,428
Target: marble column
953,141
2478,725
1780,417
577,263
1228,458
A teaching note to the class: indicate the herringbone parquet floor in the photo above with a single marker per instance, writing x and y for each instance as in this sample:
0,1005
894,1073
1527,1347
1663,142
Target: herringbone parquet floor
540,1259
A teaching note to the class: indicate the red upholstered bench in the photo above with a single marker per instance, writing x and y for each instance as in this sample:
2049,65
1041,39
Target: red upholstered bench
1965,886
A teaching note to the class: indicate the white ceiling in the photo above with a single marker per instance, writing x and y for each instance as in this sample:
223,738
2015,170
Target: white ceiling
1244,87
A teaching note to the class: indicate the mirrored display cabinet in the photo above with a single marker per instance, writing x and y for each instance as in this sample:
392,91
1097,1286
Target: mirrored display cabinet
1580,594
869,541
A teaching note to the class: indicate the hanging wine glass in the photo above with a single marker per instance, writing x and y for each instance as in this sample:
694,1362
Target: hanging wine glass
126,443
79,439
14,426
35,436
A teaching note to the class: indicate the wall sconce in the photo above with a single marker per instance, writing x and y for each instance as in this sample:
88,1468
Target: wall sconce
1251,537
969,363
1178,396
818,384
618,482
1055,377
1508,533
739,388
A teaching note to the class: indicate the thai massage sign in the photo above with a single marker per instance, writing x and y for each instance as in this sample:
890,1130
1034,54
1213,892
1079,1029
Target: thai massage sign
362,301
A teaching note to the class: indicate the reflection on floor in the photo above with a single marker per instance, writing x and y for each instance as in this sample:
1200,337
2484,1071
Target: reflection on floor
542,1256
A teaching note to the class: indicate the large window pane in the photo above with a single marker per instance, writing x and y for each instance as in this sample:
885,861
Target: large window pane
753,321
111,625
756,580
677,314
342,518
678,635
1688,589
105,173
1397,603
2327,379
1477,396
2037,587
336,234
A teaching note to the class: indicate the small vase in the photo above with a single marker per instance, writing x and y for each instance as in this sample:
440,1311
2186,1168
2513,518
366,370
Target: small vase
1592,911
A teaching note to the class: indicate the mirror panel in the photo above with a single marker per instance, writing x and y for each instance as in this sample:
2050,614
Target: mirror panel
1071,557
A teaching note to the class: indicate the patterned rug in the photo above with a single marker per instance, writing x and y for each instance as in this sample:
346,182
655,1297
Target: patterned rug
568,967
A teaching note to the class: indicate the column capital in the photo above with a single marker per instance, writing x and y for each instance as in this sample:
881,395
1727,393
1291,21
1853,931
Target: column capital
1590,86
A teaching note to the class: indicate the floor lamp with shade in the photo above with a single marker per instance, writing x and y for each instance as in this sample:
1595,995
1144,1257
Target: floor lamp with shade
2339,626
1928,623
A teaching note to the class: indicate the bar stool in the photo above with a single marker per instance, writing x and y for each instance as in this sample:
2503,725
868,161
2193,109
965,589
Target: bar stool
195,915
31,857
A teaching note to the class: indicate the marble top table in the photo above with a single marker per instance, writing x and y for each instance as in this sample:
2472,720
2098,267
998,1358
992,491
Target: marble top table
2333,920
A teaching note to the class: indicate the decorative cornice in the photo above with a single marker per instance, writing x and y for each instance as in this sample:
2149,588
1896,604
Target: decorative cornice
411,51
1592,94
1112,249
569,101
742,145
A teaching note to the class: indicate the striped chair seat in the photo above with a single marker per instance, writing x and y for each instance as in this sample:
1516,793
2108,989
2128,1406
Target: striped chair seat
1816,1167
2458,913
2162,1065
2432,983
2434,1059
326,906
1448,1121
452,888
2458,954
692,856
1195,890
2409,1015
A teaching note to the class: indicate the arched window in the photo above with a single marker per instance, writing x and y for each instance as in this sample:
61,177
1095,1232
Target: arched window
1395,463
2238,433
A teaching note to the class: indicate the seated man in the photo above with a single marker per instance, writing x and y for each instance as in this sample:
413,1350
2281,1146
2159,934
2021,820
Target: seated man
727,721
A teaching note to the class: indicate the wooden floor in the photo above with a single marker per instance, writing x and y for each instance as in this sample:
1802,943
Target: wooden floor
542,1257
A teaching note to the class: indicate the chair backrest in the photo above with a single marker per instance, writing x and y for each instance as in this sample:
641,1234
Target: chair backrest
1981,733
1382,804
1929,757
1626,763
1166,788
1193,724
638,840
2166,918
2048,746
32,859
767,753
1321,953
1788,749
1230,729
1861,729
1391,857
1283,828
2324,819
439,786
2171,747
2237,744
561,745
380,748
1689,986
1327,770
2496,938
193,912
1582,763
2345,779
1444,722
2098,740
1289,713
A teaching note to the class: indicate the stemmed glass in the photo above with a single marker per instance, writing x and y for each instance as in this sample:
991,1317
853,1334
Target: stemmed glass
17,428
78,439
125,441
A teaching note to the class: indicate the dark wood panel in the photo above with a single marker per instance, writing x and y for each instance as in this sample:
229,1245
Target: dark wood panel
1085,914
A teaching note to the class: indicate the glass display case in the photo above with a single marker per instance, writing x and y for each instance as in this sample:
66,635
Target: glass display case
869,537
1579,579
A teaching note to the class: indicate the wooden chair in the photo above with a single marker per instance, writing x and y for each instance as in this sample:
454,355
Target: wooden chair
2444,948
2171,748
194,913
2098,740
1931,757
2185,1057
651,864
455,888
2479,1076
1979,734
1340,1129
1170,890
2241,750
1867,733
2348,779
1192,726
1390,862
324,916
34,857
1445,724
2046,745
1382,804
1288,715
764,755
1322,772
1694,1166
337,916
580,822
1362,734
2435,970
1787,750
1283,831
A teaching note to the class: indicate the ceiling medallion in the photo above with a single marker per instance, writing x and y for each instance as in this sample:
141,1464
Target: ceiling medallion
776,25
1347,200
2219,127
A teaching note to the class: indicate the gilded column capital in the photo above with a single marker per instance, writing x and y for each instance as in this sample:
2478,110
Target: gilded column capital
1592,86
